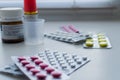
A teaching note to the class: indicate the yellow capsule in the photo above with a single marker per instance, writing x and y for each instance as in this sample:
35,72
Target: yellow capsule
102,40
103,44
100,34
101,37
89,44
89,40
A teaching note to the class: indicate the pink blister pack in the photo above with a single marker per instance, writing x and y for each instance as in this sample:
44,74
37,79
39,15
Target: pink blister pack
37,69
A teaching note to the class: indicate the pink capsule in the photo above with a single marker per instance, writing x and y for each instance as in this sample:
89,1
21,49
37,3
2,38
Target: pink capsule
29,67
34,71
34,58
21,59
25,62
37,61
43,65
49,70
56,74
41,76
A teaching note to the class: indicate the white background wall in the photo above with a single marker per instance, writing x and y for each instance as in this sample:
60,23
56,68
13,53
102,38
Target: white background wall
83,14
75,13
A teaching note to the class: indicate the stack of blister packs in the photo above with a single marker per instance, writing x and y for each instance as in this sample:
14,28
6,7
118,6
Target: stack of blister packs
89,41
47,65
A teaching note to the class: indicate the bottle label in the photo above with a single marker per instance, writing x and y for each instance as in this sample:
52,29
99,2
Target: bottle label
12,31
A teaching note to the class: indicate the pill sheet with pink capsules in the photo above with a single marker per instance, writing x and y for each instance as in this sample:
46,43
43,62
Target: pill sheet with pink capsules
50,65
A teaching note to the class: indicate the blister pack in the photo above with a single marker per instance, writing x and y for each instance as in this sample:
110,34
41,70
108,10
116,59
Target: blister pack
67,37
65,62
37,69
11,69
49,61
98,41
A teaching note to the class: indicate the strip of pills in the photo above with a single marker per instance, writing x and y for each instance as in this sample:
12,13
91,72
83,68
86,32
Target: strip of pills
98,41
65,62
37,69
11,69
66,37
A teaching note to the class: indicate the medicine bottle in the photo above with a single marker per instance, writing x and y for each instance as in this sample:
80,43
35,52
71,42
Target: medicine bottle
11,20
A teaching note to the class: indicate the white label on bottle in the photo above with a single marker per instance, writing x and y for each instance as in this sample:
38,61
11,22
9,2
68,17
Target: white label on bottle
12,31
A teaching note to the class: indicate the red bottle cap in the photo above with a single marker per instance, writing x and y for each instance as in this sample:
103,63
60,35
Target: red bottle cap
49,70
41,76
56,74
29,67
43,65
34,71
30,6
37,61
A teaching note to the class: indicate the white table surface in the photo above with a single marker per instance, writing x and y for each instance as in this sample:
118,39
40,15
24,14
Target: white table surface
104,65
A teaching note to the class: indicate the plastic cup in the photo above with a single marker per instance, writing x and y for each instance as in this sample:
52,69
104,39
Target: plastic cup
33,31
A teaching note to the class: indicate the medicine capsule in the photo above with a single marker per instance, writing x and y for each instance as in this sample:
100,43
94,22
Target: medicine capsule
21,59
37,62
41,76
34,71
101,37
29,67
102,40
89,40
103,44
56,74
34,58
43,65
89,44
25,62
100,34
49,70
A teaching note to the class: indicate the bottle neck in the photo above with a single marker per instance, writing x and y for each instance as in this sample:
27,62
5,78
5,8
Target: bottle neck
31,17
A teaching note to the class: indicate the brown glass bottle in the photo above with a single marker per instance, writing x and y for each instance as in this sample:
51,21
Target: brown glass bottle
11,25
20,39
